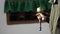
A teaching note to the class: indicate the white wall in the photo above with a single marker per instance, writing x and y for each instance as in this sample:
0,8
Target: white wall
19,29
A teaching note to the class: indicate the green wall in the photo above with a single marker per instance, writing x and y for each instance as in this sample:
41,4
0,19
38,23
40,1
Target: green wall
26,5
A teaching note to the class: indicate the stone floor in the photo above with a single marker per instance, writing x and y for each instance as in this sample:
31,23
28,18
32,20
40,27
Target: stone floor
27,29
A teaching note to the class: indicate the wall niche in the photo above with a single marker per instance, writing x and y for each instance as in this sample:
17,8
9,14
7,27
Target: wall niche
21,18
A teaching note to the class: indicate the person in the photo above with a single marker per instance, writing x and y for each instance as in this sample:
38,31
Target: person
39,14
42,15
54,15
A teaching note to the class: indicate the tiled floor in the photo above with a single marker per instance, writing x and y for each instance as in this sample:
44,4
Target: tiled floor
27,29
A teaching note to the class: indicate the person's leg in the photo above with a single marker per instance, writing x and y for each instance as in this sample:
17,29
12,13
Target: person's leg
55,18
51,19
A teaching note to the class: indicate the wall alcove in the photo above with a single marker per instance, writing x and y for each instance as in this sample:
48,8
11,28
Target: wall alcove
21,18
